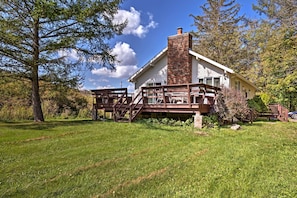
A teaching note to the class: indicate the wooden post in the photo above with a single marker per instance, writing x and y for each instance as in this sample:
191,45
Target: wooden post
198,120
189,95
164,97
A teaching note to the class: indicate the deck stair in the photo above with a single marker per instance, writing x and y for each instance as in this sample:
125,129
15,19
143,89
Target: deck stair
282,112
126,109
276,111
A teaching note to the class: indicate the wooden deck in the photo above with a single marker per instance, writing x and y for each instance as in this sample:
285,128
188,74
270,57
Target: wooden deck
276,111
184,98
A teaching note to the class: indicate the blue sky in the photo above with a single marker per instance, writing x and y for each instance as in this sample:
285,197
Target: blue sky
150,22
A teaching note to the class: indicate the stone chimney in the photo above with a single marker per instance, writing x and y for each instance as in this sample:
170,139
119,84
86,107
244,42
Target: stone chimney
179,61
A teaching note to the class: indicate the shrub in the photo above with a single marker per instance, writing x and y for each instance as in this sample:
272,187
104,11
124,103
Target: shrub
84,113
231,104
210,121
167,121
189,122
16,112
257,104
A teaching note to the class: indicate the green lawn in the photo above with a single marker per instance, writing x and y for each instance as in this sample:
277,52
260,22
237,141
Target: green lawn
106,159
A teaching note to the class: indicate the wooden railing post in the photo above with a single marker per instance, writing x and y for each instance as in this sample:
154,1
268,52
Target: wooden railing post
189,95
164,97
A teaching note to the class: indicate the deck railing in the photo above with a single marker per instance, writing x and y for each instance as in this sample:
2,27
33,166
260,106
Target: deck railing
184,97
179,94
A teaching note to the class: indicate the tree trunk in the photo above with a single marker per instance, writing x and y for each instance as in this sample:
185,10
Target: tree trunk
37,110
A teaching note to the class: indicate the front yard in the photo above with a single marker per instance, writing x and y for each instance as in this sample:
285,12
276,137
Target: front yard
106,159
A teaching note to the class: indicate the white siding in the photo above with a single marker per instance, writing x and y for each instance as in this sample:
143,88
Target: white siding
156,73
204,70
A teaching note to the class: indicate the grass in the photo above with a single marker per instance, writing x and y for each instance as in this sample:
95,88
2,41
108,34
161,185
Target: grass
105,159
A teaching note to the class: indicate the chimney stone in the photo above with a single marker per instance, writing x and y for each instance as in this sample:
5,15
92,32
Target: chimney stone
179,61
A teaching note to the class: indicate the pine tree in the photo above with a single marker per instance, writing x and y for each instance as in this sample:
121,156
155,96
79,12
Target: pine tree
218,33
36,33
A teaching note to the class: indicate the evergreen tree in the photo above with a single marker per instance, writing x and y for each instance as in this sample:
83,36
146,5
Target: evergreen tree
278,54
218,33
35,34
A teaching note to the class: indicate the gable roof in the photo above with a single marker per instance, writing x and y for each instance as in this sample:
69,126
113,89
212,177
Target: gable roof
226,69
199,56
149,64
163,53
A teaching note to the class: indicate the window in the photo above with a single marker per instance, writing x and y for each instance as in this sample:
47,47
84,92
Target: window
213,81
153,84
216,82
208,81
237,85
152,93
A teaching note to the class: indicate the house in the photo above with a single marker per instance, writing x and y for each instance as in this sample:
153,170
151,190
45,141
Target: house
176,81
179,64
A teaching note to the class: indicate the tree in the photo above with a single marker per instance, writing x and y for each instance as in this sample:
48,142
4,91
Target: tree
35,34
218,33
278,54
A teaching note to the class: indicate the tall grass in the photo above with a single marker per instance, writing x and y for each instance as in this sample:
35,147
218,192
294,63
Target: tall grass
106,159
16,112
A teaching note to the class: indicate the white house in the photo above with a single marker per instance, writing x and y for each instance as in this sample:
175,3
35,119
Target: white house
179,64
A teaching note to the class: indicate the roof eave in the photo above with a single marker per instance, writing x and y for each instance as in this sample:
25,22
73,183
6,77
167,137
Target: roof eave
199,56
227,69
147,65
245,80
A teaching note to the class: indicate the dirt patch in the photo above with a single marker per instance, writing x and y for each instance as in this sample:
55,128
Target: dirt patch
133,182
292,120
36,139
201,133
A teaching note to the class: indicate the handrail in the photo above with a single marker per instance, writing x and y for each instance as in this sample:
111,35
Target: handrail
163,93
132,106
282,112
119,102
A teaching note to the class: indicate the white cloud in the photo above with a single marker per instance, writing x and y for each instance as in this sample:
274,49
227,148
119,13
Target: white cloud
126,65
134,25
105,87
131,88
124,54
71,55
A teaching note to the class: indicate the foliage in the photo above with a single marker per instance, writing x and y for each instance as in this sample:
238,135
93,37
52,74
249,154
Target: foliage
57,101
76,158
257,104
38,35
231,104
278,51
167,121
210,121
219,32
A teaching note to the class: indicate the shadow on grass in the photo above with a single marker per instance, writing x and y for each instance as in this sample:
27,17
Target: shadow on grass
158,126
31,125
258,122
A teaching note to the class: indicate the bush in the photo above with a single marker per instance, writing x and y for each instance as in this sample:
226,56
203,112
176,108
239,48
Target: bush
84,113
168,122
257,104
16,112
210,121
231,104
